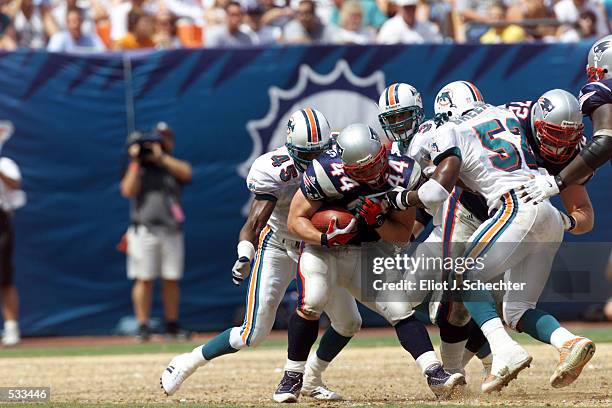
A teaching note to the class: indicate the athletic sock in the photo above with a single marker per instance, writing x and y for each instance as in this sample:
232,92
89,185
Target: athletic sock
295,366
481,306
452,355
497,336
315,367
476,339
331,344
426,360
560,336
538,324
302,335
413,337
198,356
218,346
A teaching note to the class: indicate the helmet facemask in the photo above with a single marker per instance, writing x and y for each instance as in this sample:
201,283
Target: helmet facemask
303,156
557,143
401,123
373,172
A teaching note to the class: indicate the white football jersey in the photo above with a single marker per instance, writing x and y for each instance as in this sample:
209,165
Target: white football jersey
418,148
274,175
495,155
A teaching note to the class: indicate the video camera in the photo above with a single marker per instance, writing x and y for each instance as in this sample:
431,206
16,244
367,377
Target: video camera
146,141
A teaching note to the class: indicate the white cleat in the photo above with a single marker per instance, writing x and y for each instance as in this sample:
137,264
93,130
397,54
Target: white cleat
11,337
320,392
179,369
507,369
574,355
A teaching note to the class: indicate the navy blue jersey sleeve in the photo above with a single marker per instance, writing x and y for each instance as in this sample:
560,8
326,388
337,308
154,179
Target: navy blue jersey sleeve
595,94
401,172
522,111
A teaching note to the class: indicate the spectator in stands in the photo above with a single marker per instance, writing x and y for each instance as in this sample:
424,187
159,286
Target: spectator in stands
260,34
307,28
7,31
351,29
372,16
584,29
475,16
141,28
73,39
506,34
94,12
119,15
165,30
191,10
274,15
11,198
568,12
406,29
34,24
215,16
231,34
153,182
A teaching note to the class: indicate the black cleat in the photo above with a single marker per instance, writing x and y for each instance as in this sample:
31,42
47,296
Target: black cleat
441,383
289,388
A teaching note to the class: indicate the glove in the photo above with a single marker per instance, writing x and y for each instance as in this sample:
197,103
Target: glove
371,211
241,270
242,267
569,222
538,189
398,199
338,236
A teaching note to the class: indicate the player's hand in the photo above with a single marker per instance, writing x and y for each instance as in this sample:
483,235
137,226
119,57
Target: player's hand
371,211
538,189
398,199
241,270
569,222
338,236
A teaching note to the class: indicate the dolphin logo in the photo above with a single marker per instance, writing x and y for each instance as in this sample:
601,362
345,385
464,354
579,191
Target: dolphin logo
446,99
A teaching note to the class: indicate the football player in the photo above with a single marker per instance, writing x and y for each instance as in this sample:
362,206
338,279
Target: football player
359,167
401,114
595,102
468,147
273,179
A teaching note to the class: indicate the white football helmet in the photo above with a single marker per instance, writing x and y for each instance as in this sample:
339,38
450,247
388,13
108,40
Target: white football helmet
363,155
556,121
308,135
456,98
401,111
599,64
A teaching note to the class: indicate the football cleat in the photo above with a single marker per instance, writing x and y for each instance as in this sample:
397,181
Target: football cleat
506,370
179,369
573,355
289,388
441,383
320,392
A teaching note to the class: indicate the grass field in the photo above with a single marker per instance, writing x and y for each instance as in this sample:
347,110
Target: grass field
373,370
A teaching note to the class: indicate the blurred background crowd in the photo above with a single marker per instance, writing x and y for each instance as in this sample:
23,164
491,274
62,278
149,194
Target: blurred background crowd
100,25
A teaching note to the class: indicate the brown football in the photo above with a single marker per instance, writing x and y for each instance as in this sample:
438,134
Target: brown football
321,218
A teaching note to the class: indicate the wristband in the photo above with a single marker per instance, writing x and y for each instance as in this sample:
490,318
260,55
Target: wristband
246,249
134,166
560,184
572,222
324,239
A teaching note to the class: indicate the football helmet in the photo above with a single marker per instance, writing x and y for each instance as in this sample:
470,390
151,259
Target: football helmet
456,98
556,121
401,112
599,64
363,155
308,135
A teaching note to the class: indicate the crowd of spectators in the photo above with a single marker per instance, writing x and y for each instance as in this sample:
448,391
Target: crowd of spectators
99,25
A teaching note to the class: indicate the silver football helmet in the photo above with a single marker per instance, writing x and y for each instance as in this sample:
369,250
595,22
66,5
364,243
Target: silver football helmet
401,111
456,98
599,64
363,155
308,135
556,121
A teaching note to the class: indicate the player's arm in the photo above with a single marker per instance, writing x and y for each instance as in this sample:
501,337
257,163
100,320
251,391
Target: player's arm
398,226
298,222
578,206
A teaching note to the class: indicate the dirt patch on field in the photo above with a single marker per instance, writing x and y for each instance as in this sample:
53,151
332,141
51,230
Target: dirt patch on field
362,375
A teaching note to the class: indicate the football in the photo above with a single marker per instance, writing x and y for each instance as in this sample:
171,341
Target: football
321,218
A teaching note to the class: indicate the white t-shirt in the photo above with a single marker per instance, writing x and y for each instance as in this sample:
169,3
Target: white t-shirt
30,33
363,36
396,31
63,42
10,199
567,12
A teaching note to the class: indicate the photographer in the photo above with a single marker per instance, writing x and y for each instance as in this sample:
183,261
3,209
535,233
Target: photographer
153,182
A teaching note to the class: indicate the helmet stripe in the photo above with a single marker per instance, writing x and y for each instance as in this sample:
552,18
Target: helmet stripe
308,128
314,135
387,95
316,118
392,94
475,92
396,93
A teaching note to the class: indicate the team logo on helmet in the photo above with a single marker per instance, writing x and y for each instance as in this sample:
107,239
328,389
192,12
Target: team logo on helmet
600,48
546,105
290,125
445,99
